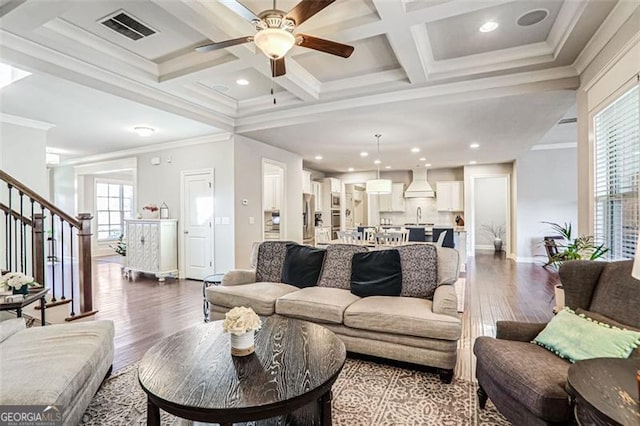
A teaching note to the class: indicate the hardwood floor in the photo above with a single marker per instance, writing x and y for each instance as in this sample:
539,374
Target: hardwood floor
145,311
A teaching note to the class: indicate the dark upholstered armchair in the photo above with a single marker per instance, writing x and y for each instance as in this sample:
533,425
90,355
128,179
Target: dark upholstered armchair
527,382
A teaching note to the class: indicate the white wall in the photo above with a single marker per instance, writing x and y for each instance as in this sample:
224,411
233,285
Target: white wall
22,155
547,191
490,209
248,156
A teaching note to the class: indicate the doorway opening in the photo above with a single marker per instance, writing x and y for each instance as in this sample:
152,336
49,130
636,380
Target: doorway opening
273,200
490,214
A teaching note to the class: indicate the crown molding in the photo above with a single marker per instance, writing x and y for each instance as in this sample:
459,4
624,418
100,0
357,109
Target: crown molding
50,61
551,79
25,122
550,146
621,12
565,22
182,143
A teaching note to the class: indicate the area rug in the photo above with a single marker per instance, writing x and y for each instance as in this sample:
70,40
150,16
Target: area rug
365,394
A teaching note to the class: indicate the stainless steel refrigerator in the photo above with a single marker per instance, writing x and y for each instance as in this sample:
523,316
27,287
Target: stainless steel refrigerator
308,219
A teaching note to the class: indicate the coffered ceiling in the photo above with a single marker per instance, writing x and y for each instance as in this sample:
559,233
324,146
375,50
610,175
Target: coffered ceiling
421,72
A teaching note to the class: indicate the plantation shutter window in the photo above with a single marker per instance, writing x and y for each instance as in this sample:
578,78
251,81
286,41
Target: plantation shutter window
617,175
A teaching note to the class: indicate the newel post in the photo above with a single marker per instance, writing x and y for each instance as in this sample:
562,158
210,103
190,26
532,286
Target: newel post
38,248
84,262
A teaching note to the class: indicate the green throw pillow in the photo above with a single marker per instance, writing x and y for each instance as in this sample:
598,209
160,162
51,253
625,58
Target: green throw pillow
576,337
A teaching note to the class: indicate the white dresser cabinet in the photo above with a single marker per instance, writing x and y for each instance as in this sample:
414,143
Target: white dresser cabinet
152,247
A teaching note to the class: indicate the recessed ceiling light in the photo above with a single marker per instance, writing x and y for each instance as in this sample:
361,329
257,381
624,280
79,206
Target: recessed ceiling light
143,131
414,150
364,154
422,159
387,167
350,169
242,82
318,157
220,88
488,27
474,145
472,162
428,165
377,162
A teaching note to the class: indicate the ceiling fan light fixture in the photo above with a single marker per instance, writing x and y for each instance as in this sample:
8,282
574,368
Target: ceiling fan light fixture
274,42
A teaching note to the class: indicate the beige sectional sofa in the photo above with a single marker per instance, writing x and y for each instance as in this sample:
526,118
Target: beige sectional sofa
61,365
421,330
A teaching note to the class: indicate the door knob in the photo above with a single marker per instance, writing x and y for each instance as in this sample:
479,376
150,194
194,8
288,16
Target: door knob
186,232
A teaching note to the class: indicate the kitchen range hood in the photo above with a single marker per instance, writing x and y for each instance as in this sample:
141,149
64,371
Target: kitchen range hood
419,187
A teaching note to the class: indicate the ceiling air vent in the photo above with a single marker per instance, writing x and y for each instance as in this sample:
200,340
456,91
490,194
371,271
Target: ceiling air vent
568,120
128,26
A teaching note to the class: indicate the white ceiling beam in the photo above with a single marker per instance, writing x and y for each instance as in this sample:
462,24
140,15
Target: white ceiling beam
29,15
401,39
449,9
550,79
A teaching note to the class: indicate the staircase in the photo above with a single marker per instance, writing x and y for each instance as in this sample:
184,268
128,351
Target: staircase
39,239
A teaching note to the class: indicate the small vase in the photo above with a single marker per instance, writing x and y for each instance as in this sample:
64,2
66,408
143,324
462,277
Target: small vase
243,344
497,244
22,290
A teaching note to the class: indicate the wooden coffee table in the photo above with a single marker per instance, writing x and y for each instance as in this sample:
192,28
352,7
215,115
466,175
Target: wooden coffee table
192,375
605,391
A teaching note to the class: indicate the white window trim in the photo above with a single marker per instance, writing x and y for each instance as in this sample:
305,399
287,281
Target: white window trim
98,180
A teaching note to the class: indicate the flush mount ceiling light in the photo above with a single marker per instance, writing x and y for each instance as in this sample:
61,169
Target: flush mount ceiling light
472,162
422,159
378,186
242,82
364,154
377,161
350,169
143,131
387,167
487,27
9,74
415,150
428,165
318,157
474,145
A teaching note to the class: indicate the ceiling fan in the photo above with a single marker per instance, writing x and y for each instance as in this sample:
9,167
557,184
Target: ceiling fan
275,29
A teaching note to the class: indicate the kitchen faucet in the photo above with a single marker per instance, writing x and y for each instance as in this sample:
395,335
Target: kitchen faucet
418,215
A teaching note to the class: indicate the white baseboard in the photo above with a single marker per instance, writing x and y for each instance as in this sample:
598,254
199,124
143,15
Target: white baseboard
522,259
485,247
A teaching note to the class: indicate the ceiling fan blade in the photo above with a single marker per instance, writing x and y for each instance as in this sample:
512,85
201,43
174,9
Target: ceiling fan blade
323,45
223,44
240,9
277,67
306,9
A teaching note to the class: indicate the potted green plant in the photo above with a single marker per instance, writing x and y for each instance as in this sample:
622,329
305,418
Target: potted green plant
496,232
121,247
582,247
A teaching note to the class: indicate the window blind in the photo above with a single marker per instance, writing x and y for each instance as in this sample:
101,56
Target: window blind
617,175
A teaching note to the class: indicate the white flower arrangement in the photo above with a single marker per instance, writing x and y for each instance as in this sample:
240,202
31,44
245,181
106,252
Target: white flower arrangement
240,320
15,280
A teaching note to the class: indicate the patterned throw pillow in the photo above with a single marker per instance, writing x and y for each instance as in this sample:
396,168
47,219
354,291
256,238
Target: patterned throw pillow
419,270
270,260
336,271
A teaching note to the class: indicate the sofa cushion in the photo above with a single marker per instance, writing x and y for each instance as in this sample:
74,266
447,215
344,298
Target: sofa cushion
10,327
51,365
376,273
616,294
259,296
419,270
409,316
270,260
532,375
302,265
336,271
319,304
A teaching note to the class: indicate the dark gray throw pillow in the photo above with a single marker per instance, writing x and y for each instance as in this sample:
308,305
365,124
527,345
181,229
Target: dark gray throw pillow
302,265
376,273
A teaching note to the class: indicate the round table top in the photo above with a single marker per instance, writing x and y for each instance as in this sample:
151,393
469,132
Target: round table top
193,375
609,385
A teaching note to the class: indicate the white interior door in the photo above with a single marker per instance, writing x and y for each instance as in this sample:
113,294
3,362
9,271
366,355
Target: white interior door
197,224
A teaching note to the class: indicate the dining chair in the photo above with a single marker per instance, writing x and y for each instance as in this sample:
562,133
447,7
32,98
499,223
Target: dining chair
393,238
369,235
323,235
447,240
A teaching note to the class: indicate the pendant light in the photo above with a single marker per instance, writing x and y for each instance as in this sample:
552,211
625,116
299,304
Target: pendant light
379,186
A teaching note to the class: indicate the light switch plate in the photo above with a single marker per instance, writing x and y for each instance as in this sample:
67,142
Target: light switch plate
217,221
226,220
252,221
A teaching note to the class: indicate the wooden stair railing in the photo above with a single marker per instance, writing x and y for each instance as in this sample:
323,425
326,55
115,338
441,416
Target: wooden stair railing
28,217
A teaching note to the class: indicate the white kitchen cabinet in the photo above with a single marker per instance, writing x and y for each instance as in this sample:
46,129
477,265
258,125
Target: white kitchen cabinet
317,192
335,184
271,192
306,182
450,196
393,202
152,247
